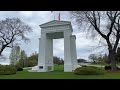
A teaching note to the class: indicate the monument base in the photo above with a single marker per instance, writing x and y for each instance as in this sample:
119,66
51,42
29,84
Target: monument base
41,68
45,68
68,68
34,69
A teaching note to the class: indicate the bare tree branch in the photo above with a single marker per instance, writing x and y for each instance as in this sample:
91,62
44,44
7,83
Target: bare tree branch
109,30
11,30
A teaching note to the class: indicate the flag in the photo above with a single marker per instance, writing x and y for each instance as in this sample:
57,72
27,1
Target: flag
59,17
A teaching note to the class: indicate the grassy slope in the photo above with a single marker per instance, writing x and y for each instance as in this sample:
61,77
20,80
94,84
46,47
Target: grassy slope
58,74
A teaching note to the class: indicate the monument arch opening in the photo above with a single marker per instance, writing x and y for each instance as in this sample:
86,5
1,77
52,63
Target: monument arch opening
58,54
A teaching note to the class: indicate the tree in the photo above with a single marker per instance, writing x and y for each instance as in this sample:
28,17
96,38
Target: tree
81,60
11,57
32,60
93,57
105,24
105,58
14,55
58,60
118,55
12,30
100,59
23,59
61,62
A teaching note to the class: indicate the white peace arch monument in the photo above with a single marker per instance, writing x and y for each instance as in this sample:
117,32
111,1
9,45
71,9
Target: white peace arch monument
54,30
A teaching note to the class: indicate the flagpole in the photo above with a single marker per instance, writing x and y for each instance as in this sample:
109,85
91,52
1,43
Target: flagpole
54,15
59,16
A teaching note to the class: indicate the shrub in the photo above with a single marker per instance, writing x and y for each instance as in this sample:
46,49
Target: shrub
109,68
83,65
19,68
7,70
89,70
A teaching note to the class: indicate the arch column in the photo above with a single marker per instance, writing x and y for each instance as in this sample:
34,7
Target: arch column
39,51
67,51
73,52
45,60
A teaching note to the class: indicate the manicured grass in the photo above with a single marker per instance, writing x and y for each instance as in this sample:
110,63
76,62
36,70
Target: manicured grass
58,74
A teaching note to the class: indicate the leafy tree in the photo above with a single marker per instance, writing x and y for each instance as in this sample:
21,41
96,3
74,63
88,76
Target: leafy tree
100,59
105,58
58,60
93,57
32,60
81,60
61,62
14,55
23,59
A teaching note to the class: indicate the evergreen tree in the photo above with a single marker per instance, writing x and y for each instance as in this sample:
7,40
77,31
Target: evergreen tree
11,57
32,60
23,59
14,55
105,58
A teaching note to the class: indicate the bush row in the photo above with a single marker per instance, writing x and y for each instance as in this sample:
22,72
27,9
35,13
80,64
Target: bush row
9,69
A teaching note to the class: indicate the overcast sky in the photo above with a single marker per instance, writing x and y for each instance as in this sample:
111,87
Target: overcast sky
34,19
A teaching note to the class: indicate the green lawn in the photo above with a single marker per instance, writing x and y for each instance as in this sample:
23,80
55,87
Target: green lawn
58,74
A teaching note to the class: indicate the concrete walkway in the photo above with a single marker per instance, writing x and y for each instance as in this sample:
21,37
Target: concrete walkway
94,65
27,68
